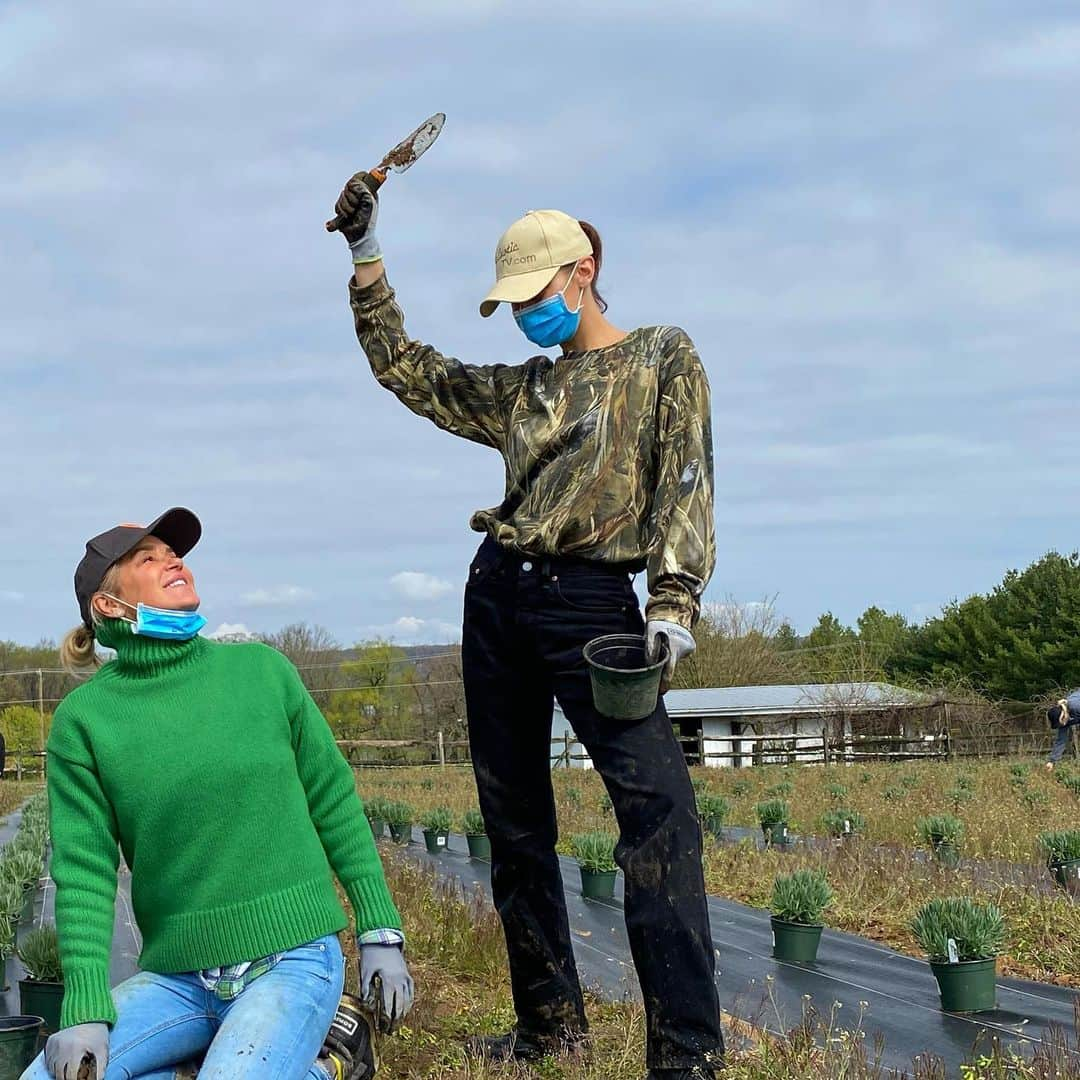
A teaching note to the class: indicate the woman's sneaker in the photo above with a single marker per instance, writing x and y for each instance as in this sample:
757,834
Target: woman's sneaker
348,1051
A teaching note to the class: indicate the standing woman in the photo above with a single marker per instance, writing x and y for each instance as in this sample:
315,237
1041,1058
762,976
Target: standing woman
210,767
608,472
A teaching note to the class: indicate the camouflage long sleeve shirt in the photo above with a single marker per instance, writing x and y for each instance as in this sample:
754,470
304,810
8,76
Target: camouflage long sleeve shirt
608,452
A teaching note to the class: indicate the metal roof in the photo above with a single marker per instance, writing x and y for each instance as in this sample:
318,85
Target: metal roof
806,698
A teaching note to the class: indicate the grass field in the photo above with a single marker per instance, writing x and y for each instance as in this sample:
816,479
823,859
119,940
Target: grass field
458,959
879,880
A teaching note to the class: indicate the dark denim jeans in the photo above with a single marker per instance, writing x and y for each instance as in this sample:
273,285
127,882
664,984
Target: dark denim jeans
525,625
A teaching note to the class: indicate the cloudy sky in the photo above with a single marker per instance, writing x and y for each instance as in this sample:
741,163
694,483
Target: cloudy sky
865,214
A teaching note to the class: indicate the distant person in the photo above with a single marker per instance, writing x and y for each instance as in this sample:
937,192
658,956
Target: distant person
609,472
1063,717
210,767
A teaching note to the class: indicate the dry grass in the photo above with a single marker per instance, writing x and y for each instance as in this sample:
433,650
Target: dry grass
13,793
879,883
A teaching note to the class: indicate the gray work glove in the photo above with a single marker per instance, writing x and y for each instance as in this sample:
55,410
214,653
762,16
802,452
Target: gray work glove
680,643
67,1049
385,983
355,215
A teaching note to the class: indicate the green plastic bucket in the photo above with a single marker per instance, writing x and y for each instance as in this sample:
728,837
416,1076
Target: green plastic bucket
479,846
378,827
795,941
435,839
402,834
598,884
1067,875
42,999
18,1044
625,686
968,986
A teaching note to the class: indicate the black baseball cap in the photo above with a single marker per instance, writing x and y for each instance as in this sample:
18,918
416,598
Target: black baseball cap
178,527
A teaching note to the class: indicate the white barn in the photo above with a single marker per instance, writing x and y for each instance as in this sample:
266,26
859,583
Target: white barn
733,720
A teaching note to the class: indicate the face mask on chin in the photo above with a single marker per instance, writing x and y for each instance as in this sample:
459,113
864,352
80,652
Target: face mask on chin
161,623
550,322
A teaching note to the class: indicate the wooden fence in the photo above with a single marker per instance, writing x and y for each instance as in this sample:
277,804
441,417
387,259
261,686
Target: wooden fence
792,749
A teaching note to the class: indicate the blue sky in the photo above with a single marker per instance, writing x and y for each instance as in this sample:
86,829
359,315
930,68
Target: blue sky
866,215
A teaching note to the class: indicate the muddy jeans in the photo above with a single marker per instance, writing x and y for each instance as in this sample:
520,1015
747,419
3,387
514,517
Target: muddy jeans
525,625
272,1031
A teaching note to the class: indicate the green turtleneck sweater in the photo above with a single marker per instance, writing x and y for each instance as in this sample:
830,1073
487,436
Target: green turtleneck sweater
214,772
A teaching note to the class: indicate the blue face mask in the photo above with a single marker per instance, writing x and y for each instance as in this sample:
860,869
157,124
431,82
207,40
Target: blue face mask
163,624
550,322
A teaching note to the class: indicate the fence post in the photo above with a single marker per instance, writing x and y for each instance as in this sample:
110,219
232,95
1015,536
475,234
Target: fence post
41,704
824,746
701,747
442,751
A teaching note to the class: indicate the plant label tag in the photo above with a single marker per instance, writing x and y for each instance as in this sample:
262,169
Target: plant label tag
954,956
440,841
774,939
783,833
847,825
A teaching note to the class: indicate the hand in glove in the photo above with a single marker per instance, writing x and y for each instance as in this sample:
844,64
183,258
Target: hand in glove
66,1051
356,213
385,983
680,642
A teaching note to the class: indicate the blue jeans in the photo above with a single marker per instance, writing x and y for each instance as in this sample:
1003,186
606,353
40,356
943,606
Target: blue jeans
272,1031
1057,752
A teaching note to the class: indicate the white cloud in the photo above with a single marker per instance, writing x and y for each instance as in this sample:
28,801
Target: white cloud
410,630
231,631
277,596
418,586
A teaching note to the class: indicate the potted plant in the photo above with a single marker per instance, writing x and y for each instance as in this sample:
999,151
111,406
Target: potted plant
595,853
1062,850
944,834
399,816
437,824
842,824
375,812
773,815
712,810
12,900
41,990
476,835
798,901
962,939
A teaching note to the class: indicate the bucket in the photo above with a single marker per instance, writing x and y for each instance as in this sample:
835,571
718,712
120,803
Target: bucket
479,846
42,999
795,941
625,686
1067,875
968,986
598,884
18,1044
401,832
378,827
435,841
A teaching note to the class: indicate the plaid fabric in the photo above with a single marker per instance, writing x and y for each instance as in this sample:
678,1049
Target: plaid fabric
381,937
228,983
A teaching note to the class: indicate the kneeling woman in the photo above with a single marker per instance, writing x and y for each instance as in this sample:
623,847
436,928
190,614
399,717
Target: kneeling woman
210,767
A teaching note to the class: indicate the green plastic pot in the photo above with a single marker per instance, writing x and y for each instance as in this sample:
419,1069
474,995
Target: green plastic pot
968,986
795,941
42,999
479,846
401,834
378,828
775,833
1067,875
436,839
18,1043
598,884
947,854
625,686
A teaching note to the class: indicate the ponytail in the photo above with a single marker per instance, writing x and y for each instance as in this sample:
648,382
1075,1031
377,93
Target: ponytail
77,652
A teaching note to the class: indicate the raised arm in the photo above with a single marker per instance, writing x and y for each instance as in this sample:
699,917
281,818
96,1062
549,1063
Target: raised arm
464,399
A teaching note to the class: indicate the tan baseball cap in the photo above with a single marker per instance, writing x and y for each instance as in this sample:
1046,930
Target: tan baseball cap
530,253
